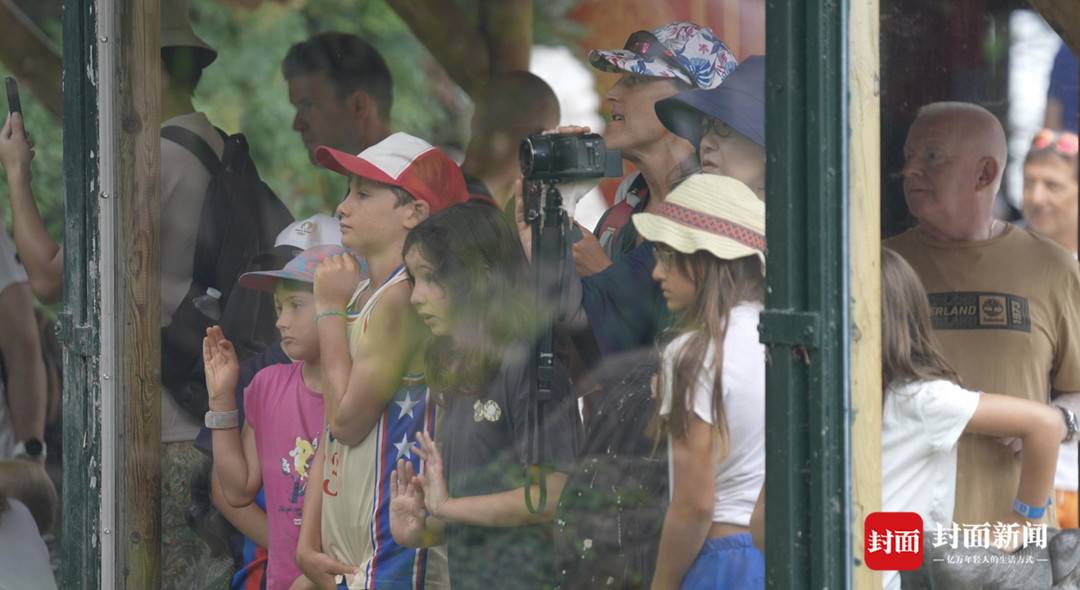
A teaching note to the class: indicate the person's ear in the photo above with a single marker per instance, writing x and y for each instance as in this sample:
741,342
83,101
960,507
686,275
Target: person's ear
359,103
988,169
419,210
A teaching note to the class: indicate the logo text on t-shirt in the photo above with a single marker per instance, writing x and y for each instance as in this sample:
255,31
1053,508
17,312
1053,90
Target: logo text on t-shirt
979,310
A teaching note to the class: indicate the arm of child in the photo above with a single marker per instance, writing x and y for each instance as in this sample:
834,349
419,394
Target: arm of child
355,403
20,349
236,461
1041,429
42,257
249,520
502,509
688,518
317,566
236,465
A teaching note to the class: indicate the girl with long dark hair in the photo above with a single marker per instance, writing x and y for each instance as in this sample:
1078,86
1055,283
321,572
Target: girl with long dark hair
470,287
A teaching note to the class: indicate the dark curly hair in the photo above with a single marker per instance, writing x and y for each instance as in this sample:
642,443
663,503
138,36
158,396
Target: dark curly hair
477,259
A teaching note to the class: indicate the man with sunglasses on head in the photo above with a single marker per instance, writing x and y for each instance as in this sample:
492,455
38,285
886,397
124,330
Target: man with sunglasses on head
1004,301
1050,209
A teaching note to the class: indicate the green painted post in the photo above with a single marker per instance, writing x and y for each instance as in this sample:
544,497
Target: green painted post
806,321
81,545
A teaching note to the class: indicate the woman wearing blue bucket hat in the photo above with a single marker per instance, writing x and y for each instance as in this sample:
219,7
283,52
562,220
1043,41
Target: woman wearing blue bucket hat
727,123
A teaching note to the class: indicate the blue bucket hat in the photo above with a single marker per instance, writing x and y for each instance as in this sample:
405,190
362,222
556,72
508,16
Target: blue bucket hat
739,102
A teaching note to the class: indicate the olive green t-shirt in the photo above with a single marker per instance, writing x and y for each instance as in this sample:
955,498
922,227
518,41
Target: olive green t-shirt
1007,314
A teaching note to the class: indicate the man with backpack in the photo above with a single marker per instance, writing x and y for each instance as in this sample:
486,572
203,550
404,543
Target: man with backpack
216,217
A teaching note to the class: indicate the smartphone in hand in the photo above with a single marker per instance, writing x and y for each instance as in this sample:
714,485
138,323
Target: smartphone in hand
14,104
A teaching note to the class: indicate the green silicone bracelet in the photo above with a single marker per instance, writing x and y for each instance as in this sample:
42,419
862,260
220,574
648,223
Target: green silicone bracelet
326,314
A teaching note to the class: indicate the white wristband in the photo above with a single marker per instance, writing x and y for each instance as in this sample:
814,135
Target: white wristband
222,420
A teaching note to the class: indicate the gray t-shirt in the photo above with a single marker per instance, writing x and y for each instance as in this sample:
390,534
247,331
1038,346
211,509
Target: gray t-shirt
484,450
184,181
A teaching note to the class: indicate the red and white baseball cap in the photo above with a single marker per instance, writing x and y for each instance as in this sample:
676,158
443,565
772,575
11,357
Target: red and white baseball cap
404,161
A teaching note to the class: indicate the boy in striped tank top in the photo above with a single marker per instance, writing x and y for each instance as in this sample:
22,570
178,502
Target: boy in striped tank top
372,346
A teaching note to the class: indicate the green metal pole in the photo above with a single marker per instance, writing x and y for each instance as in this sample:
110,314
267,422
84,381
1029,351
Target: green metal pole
80,565
806,323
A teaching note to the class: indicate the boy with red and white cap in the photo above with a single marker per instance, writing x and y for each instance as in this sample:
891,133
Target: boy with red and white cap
371,341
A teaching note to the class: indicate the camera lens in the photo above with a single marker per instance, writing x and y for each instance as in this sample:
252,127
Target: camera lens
525,157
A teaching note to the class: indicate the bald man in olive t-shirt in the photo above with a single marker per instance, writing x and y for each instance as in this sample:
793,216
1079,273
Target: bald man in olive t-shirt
1005,303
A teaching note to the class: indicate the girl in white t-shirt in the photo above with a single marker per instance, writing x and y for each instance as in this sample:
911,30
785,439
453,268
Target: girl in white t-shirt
925,412
709,237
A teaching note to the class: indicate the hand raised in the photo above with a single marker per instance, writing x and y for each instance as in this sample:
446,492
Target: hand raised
222,370
433,479
407,510
336,279
16,148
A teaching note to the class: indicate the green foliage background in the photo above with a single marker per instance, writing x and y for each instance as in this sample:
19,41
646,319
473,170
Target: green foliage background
244,91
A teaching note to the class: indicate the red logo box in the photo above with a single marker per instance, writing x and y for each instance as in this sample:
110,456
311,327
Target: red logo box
893,541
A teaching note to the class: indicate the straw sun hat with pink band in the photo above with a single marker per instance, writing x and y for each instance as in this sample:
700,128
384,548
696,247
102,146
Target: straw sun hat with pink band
717,214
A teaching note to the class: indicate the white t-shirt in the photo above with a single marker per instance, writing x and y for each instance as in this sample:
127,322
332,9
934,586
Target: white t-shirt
921,423
740,474
24,559
183,188
11,272
1065,477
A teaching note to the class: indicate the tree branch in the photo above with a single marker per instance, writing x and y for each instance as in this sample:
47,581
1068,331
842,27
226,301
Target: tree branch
31,57
450,37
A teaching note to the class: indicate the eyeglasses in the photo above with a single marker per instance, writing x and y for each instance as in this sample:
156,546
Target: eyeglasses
713,125
1065,143
664,255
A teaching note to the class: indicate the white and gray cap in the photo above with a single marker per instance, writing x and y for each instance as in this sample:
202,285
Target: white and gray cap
318,230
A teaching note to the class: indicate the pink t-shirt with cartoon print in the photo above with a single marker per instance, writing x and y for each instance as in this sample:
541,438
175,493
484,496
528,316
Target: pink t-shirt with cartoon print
288,420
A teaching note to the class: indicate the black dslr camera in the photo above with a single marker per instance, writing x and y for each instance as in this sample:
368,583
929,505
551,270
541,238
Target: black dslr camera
547,161
568,156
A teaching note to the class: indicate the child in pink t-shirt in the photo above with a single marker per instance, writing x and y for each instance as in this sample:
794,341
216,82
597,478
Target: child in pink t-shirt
283,409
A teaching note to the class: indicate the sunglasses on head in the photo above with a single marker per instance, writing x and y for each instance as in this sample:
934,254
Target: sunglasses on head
1065,143
645,44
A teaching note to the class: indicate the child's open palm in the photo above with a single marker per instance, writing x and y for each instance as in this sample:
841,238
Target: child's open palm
222,369
407,510
432,480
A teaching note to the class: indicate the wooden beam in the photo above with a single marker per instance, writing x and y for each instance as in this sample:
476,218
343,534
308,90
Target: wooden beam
1064,17
864,231
137,294
31,57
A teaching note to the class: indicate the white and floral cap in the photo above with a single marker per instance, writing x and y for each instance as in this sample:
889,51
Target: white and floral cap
682,50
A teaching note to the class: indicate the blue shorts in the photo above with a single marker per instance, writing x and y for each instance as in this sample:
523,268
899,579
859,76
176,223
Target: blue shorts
724,563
